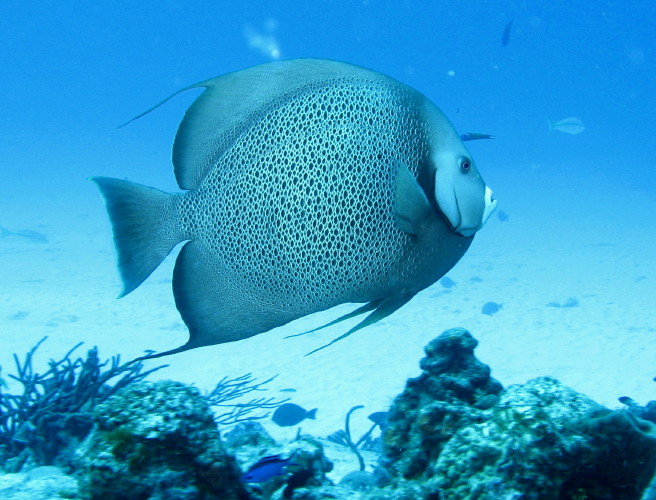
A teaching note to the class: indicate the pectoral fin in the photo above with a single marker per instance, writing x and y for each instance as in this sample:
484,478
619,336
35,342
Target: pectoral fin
411,206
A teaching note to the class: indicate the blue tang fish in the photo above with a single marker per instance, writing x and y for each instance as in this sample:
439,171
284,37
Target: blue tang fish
491,308
289,414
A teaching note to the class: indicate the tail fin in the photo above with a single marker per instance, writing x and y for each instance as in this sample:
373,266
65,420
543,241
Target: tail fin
144,227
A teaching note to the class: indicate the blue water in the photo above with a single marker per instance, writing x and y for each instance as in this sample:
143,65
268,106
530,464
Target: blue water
72,72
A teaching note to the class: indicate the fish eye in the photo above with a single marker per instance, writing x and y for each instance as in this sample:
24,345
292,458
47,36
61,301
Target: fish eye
465,164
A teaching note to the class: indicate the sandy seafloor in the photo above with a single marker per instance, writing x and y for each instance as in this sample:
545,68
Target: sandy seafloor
569,235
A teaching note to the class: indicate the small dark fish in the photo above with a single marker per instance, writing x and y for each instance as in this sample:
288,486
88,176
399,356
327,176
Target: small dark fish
290,414
447,282
491,308
266,468
474,136
503,216
289,389
24,233
625,400
379,418
505,38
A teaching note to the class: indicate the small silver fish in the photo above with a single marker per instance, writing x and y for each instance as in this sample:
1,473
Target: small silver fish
35,236
571,125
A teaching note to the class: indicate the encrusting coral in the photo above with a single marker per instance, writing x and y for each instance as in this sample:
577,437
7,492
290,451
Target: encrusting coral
453,391
453,433
157,440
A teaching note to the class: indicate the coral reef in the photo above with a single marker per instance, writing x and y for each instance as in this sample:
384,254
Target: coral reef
53,413
453,391
544,440
230,389
343,437
453,434
45,422
156,440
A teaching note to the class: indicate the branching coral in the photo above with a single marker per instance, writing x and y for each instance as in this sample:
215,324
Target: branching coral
54,409
229,389
344,437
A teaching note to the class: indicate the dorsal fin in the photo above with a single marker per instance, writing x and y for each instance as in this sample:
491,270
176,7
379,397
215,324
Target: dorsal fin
229,103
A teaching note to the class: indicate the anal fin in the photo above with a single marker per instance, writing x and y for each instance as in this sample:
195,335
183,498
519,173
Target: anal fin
383,308
360,310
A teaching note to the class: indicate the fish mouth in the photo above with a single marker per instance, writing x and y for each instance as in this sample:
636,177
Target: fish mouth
490,205
489,208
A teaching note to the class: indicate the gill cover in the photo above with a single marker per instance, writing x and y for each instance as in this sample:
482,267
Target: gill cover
461,193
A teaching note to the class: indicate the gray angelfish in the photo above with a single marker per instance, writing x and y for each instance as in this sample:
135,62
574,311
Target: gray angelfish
308,183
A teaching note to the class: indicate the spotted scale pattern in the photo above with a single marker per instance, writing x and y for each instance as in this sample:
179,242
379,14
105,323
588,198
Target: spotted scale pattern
299,208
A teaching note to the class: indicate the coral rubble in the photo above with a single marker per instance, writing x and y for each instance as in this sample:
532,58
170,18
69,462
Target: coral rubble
46,482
